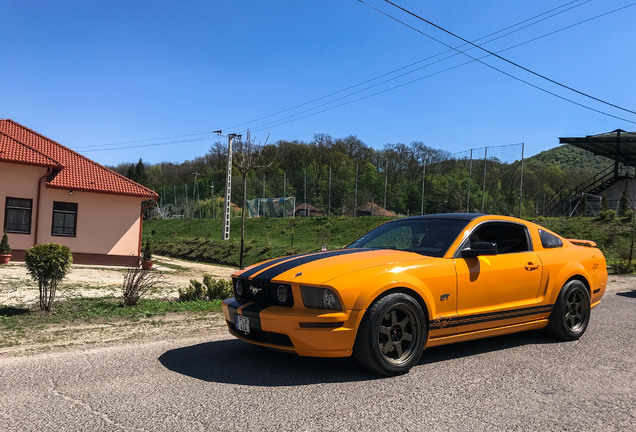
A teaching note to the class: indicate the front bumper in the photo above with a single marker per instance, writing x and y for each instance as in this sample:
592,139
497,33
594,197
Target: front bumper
307,332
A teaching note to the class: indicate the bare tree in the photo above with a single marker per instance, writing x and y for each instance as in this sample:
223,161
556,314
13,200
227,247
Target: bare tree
246,157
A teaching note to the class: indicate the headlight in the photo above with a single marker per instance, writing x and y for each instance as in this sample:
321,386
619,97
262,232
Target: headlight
282,294
320,298
239,287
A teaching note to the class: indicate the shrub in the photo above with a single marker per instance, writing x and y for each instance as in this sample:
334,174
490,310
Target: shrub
137,282
623,267
194,292
48,264
624,204
4,245
210,289
217,288
146,254
607,215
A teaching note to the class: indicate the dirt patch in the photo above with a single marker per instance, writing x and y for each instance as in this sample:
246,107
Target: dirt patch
17,288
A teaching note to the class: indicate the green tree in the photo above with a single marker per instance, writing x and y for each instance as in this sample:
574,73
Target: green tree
48,264
624,204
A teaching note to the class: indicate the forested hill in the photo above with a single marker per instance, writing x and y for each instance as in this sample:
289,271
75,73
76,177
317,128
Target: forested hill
569,158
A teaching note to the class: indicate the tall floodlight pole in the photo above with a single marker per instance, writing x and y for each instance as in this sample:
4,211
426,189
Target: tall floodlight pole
386,181
213,202
423,179
355,195
228,186
329,206
483,190
521,180
470,172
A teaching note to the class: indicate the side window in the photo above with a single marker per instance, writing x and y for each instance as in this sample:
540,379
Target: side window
509,237
64,219
549,241
17,215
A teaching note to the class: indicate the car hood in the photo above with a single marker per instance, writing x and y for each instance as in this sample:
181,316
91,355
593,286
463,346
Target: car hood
320,267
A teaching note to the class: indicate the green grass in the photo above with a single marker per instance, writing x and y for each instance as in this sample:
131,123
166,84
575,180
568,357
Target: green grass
97,310
266,238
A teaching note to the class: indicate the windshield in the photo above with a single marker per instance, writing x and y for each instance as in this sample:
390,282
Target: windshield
430,237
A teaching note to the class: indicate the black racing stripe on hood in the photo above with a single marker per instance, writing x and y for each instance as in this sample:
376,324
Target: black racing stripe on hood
263,266
271,273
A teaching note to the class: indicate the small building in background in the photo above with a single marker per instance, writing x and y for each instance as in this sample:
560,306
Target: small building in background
307,210
372,209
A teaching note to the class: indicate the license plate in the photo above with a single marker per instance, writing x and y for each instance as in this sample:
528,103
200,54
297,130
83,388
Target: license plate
243,323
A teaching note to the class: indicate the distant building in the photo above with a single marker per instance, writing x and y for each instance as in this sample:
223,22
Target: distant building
52,194
307,210
372,209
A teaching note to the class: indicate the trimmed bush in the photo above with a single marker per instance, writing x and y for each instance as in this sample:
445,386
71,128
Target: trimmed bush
48,264
210,289
217,288
146,254
4,245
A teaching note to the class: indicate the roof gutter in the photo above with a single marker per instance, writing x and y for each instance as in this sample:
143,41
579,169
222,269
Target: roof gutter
49,170
141,224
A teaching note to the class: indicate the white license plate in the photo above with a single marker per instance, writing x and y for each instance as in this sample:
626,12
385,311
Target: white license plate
243,323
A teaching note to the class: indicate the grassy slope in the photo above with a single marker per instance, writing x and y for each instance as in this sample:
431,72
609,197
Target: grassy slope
268,238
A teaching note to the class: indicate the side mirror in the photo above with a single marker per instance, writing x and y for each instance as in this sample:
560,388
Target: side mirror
479,248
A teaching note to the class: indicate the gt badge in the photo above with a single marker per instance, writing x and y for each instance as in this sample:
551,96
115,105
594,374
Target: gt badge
444,297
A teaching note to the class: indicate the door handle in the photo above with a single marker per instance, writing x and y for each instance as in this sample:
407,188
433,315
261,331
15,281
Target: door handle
532,266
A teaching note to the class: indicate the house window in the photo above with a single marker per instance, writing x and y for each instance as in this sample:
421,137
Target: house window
17,215
64,219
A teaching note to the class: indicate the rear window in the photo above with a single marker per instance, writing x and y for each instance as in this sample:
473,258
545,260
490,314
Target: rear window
549,240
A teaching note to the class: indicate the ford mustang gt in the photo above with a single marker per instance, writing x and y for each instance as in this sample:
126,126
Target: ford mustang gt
419,282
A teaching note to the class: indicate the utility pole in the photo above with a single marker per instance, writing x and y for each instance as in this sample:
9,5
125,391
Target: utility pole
521,180
483,191
213,201
470,172
386,180
228,185
355,196
329,213
423,184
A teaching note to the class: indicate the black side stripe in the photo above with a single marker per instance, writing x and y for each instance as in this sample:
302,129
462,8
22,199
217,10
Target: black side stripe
258,268
487,317
272,272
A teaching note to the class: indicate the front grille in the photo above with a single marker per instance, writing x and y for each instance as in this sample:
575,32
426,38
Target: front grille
258,335
262,292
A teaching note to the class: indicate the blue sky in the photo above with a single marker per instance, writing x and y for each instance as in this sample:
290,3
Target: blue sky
116,80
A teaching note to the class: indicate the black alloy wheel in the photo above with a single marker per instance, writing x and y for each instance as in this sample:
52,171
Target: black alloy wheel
391,337
571,314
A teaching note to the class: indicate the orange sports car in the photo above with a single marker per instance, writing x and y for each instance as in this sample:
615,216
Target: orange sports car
419,282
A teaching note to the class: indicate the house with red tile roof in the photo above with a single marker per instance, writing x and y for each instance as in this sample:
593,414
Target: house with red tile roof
49,193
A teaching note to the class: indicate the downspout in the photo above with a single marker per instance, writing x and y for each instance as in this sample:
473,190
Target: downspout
49,170
141,225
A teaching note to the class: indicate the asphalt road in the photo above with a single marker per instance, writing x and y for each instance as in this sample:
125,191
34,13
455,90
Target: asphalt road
520,382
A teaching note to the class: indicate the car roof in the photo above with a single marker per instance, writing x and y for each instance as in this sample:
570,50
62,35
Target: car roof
448,216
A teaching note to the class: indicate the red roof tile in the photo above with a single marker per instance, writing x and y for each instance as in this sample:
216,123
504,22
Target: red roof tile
12,150
76,171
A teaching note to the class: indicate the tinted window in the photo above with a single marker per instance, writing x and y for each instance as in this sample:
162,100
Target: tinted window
17,215
64,219
509,237
426,236
549,240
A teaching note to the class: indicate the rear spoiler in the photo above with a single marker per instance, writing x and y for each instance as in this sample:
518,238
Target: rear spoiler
589,243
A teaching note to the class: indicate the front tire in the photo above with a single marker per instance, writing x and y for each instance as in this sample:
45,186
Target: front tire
571,314
391,337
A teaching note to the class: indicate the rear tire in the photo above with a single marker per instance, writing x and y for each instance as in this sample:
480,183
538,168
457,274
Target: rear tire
571,314
391,336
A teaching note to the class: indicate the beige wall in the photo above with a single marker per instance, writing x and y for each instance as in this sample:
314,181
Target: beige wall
106,224
19,181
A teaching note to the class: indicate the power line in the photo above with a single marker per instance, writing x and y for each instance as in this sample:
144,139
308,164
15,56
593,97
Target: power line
146,145
279,123
428,58
499,57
